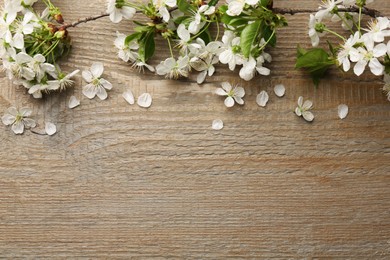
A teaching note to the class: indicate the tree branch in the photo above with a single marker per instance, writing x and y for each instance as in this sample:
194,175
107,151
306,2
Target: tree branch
367,11
85,20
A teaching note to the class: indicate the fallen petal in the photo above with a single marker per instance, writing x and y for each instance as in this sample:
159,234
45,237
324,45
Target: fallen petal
217,124
145,100
343,111
279,90
308,116
262,98
50,128
129,97
73,102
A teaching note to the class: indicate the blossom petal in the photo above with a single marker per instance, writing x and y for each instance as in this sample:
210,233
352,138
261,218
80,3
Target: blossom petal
18,127
226,86
89,91
145,100
217,124
97,69
229,102
73,102
279,90
101,93
87,76
307,105
300,101
106,84
342,111
239,92
359,67
28,122
221,92
25,111
8,119
50,128
262,98
12,111
129,97
308,116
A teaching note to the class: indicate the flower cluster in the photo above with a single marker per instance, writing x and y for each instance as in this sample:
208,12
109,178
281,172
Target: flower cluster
30,45
364,47
249,27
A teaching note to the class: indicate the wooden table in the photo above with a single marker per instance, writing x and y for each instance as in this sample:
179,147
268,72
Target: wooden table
119,181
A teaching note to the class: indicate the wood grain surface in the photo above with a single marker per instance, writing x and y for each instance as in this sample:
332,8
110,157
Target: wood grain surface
119,181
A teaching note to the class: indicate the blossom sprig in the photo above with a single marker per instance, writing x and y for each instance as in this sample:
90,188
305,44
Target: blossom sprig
249,28
361,48
31,44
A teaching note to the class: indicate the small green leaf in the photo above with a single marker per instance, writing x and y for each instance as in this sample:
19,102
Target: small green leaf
205,36
184,6
147,46
269,35
132,37
213,2
249,36
317,61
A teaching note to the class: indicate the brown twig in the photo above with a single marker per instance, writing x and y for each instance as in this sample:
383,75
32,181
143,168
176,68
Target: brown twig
367,11
85,20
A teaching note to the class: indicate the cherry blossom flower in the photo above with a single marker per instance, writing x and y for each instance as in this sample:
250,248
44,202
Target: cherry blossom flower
62,81
368,55
235,7
346,48
40,67
162,5
174,69
96,84
18,119
19,67
251,66
377,29
233,94
230,50
327,7
303,109
126,52
313,33
119,10
197,23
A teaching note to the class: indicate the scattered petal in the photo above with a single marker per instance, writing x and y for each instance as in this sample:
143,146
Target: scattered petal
217,124
343,111
145,100
303,109
279,90
129,97
50,128
73,102
308,116
262,98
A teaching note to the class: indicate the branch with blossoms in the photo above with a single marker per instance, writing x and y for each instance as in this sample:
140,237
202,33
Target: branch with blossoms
363,48
244,30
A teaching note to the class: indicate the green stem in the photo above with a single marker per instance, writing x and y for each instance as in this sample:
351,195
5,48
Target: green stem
360,19
345,22
269,39
170,47
216,38
335,33
51,48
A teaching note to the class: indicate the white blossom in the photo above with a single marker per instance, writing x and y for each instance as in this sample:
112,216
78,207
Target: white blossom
368,55
378,29
313,33
126,52
96,84
235,7
174,69
197,22
118,10
62,81
303,109
162,5
40,67
18,119
346,48
229,54
233,94
326,8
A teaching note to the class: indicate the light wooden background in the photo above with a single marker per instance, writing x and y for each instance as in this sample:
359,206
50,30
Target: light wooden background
118,181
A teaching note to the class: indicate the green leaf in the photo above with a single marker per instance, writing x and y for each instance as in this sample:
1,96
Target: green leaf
184,6
132,37
249,36
317,61
213,2
147,46
205,36
183,20
267,35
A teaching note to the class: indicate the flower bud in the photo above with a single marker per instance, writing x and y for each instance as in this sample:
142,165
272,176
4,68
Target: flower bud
59,18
